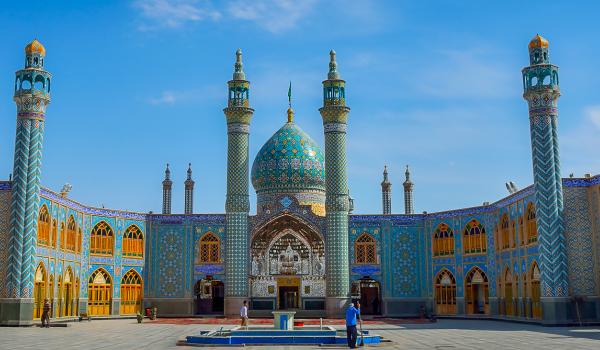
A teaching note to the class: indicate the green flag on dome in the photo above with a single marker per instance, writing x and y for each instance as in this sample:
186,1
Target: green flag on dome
290,94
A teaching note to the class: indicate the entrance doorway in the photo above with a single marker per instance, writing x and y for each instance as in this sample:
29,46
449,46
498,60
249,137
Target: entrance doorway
370,302
209,296
288,293
288,298
476,292
218,294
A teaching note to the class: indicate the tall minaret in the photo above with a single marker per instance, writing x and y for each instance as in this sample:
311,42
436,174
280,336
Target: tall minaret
32,95
167,185
189,192
386,193
408,193
335,116
237,204
540,82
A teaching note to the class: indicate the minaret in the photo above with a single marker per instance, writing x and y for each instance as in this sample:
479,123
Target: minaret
189,192
167,185
238,115
386,193
32,95
408,193
541,85
335,116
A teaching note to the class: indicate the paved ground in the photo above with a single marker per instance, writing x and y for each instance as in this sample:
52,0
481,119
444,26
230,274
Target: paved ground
443,335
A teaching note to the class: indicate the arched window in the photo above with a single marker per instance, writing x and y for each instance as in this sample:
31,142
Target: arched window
43,233
133,242
63,236
54,234
39,291
531,224
365,249
131,293
504,231
99,293
521,230
443,241
474,238
477,292
71,233
508,293
102,239
210,248
536,306
79,238
513,234
445,293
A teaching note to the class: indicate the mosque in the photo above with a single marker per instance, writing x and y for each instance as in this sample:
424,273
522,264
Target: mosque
531,256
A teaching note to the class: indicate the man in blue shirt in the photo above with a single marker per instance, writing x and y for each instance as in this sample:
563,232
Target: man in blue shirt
352,313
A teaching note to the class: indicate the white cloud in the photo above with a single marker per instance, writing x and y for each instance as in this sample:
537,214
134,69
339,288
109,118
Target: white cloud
466,73
174,13
593,114
272,15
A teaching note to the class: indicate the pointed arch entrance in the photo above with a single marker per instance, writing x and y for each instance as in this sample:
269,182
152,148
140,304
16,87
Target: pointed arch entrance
508,293
39,291
536,305
445,293
288,264
477,292
131,293
99,293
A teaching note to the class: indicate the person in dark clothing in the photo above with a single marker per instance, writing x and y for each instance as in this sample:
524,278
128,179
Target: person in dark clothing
352,314
46,314
376,305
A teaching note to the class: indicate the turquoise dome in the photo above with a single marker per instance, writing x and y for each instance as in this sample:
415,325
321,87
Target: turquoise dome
290,161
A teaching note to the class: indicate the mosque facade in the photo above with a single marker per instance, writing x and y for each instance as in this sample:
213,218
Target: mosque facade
532,256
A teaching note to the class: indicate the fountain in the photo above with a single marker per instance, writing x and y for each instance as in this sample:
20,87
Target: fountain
283,332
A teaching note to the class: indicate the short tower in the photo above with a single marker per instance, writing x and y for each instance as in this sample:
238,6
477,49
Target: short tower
189,192
541,91
167,191
386,193
408,193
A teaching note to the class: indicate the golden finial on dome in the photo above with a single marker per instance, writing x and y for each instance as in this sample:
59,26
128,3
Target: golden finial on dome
538,41
35,47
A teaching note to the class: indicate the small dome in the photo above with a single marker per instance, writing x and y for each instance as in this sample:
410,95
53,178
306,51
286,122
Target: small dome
538,41
35,47
290,161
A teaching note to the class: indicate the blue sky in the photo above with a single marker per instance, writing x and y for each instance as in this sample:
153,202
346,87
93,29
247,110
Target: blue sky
435,85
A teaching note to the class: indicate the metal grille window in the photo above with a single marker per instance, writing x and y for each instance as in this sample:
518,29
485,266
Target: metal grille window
365,248
210,248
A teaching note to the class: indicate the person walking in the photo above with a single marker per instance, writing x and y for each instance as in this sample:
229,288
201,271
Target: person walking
46,314
352,314
244,314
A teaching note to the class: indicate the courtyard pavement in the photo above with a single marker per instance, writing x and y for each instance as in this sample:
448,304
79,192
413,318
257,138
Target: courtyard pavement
443,335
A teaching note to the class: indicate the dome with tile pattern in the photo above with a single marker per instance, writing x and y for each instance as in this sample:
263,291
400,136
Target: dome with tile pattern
290,161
